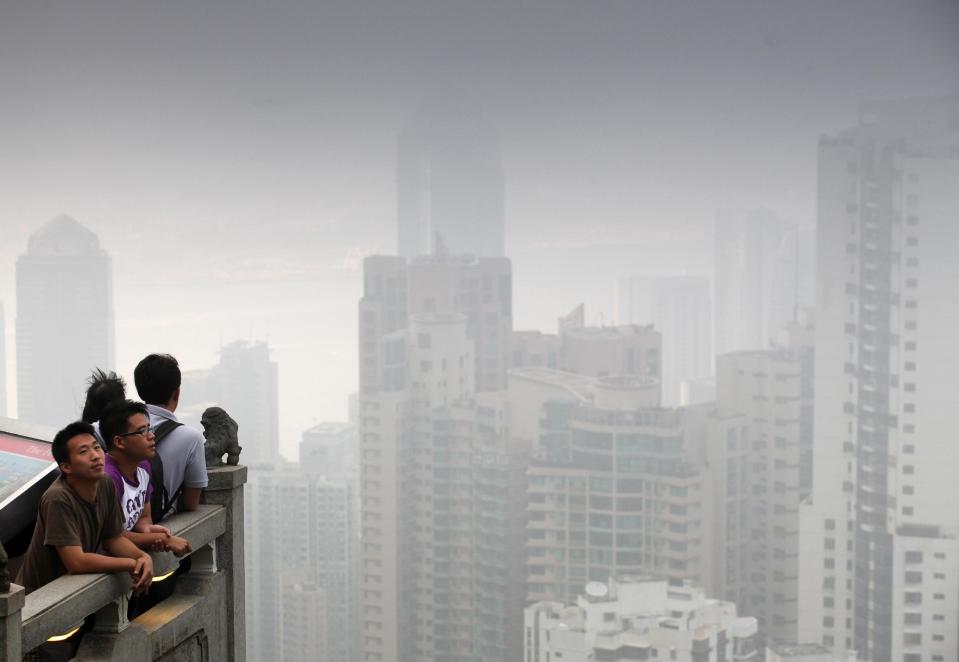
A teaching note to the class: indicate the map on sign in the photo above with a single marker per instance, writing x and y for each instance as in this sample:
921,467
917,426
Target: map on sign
21,460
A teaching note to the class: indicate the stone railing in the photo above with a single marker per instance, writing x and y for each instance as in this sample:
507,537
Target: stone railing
203,620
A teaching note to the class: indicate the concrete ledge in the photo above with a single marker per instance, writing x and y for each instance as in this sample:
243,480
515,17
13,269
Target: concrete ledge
11,601
60,605
226,477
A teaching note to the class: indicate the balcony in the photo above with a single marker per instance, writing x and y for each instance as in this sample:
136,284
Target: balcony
203,620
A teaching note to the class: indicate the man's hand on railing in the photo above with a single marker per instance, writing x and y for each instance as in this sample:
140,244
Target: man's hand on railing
179,546
142,573
158,528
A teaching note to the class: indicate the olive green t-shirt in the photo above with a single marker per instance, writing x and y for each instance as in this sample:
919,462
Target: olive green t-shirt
65,519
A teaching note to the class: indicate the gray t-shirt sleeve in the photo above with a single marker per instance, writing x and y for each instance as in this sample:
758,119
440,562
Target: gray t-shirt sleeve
194,474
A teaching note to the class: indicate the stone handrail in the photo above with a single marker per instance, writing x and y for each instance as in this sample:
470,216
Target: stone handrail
217,553
60,605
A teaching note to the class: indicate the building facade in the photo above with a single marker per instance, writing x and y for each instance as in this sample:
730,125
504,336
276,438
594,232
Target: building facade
619,485
770,393
879,535
442,507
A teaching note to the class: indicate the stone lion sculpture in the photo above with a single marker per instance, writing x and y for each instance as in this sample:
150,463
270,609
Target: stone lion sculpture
220,430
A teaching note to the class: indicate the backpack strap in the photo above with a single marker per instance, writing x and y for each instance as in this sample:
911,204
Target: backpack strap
160,503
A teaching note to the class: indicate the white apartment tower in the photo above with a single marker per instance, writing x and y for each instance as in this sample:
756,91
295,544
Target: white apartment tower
879,557
437,475
65,324
770,392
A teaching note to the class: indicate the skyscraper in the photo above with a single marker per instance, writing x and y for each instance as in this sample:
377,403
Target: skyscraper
449,180
437,476
879,536
65,324
751,294
679,308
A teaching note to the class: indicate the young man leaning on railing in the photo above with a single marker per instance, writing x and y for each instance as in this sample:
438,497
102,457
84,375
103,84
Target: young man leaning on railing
79,514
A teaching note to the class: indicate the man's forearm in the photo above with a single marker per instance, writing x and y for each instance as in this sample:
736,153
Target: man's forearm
145,541
123,547
92,562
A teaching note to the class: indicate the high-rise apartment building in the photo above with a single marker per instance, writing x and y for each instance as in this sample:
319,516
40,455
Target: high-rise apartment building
753,296
302,569
879,535
770,393
438,479
639,618
316,550
449,181
680,309
619,485
423,368
65,325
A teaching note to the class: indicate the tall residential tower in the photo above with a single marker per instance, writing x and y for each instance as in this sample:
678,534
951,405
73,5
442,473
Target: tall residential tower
879,537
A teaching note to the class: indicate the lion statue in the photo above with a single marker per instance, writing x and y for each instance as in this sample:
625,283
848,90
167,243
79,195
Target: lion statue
220,430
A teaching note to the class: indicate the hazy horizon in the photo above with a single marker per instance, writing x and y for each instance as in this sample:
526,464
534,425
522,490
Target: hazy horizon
254,148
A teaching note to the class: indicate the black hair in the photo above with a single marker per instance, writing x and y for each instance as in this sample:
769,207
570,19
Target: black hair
61,454
103,388
157,377
116,419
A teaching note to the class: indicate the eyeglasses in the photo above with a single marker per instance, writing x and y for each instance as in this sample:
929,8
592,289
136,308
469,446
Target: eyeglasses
144,431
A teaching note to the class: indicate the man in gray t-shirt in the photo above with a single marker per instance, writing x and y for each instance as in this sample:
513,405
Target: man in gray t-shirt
157,378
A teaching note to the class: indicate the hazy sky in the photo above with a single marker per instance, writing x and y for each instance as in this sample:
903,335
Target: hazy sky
255,143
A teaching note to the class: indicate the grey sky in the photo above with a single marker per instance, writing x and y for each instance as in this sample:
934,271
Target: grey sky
181,122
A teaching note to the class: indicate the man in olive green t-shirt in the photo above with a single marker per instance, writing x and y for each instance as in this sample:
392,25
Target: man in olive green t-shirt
78,515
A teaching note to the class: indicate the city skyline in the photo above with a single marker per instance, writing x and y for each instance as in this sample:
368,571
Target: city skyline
600,137
552,329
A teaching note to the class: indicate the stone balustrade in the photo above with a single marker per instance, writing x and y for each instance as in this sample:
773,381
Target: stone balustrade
203,620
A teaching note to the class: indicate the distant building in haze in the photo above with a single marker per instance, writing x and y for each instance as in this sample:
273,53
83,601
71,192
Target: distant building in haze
754,293
245,383
680,309
449,181
65,322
